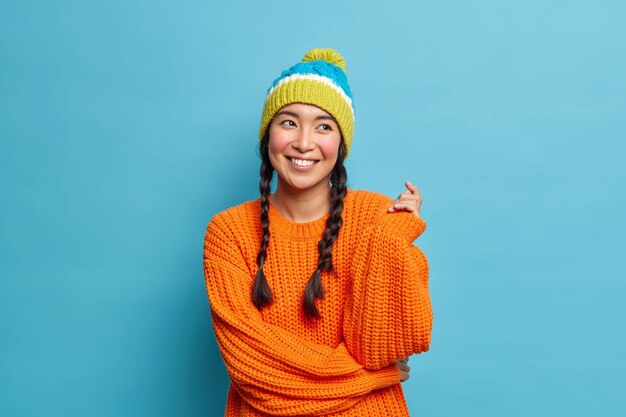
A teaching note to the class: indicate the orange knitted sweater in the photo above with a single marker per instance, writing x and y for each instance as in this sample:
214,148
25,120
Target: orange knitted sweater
375,310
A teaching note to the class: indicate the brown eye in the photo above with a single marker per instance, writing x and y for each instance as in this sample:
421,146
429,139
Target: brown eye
326,127
288,122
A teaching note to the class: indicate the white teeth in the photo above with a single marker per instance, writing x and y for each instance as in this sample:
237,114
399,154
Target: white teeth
302,162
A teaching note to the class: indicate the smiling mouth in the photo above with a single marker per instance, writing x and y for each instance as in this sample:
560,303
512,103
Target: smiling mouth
303,162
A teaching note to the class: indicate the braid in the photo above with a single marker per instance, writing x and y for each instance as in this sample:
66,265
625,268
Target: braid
261,292
314,290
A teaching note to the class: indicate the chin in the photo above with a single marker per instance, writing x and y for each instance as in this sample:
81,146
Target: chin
303,187
299,185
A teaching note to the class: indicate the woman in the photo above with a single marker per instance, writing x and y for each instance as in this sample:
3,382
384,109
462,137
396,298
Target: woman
317,294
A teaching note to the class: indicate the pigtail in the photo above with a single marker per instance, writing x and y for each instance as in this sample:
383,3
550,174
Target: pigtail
338,191
261,292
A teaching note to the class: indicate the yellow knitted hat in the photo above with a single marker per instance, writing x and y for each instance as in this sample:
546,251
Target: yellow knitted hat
319,79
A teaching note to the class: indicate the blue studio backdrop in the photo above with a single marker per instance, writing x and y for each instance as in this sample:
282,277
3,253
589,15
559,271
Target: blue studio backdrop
126,125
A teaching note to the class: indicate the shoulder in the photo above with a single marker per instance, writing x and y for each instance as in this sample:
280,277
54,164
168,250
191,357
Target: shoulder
369,197
366,207
369,208
238,220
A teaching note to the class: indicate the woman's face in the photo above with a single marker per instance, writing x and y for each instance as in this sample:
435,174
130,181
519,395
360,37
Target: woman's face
303,146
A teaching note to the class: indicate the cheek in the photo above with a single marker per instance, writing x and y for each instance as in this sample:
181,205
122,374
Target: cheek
278,141
330,147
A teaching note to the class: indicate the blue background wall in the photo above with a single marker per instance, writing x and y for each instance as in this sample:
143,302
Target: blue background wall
125,125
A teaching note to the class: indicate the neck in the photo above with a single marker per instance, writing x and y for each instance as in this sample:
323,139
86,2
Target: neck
302,206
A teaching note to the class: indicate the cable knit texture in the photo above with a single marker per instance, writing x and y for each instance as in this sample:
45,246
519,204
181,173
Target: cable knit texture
376,309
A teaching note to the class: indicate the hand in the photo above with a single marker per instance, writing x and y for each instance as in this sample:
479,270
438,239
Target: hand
404,368
410,200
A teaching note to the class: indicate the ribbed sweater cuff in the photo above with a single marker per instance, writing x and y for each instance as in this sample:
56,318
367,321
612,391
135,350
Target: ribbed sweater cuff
386,377
405,224
418,225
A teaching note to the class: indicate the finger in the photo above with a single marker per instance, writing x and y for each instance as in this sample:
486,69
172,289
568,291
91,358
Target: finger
407,195
404,367
406,203
412,187
410,201
397,204
405,206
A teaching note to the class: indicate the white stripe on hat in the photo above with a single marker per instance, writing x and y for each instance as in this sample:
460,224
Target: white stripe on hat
319,78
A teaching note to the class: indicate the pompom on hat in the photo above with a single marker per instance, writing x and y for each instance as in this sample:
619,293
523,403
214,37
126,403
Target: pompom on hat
319,79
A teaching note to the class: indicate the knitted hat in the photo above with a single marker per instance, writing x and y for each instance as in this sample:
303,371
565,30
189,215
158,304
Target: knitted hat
320,80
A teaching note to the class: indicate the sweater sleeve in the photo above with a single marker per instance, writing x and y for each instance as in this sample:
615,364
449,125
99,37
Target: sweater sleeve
274,370
389,314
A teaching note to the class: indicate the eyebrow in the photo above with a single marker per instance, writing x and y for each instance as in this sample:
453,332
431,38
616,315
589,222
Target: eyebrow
292,114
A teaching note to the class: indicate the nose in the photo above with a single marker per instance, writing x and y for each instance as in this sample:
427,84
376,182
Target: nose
304,142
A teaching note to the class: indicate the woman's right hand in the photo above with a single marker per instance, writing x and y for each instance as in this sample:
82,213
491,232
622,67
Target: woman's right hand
404,368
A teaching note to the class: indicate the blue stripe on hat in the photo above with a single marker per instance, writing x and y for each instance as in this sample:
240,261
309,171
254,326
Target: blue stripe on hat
319,67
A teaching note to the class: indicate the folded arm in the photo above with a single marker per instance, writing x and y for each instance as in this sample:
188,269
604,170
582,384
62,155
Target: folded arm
389,314
274,370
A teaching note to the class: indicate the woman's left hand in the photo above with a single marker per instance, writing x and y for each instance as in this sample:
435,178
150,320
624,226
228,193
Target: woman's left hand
410,200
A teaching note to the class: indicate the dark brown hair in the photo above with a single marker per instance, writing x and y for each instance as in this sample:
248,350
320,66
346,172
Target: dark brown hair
261,293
